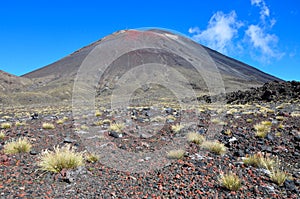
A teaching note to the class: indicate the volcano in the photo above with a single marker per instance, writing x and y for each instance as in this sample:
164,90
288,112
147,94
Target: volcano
55,81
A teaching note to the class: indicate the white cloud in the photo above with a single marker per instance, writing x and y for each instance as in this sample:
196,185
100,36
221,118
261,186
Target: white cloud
194,30
224,34
264,10
264,42
221,30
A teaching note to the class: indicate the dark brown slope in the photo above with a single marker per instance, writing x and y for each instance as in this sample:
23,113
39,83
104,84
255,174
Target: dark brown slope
68,66
57,79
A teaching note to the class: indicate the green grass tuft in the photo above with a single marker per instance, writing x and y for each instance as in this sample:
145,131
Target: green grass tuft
21,145
215,147
177,128
176,154
195,138
278,176
92,158
6,125
61,158
262,129
258,160
48,126
117,127
231,182
2,135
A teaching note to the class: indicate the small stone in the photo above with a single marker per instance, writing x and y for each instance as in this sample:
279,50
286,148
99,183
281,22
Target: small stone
147,158
239,153
270,137
238,163
233,139
33,152
267,149
169,110
114,134
201,125
68,140
141,120
170,121
296,153
290,185
201,131
3,158
143,136
35,116
297,138
297,182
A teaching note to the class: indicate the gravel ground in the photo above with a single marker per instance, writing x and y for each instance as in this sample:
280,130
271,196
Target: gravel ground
196,175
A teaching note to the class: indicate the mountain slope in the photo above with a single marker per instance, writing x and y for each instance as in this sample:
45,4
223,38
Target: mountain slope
57,79
10,82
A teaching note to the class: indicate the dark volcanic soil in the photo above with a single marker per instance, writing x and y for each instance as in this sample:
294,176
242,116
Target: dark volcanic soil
196,175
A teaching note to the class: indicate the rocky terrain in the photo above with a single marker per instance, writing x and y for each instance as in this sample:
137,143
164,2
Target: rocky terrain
195,175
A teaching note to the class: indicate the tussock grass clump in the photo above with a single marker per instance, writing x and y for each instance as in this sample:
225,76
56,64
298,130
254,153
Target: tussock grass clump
22,145
6,117
228,132
278,134
61,158
5,125
48,126
177,128
176,154
279,118
60,121
249,120
171,117
215,147
18,123
258,160
266,123
280,106
158,119
106,121
2,135
266,110
195,137
91,158
218,121
231,181
84,127
117,127
232,111
278,176
263,128
98,114
295,114
98,123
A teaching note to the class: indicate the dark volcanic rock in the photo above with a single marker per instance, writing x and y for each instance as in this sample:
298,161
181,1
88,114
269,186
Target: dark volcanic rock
273,91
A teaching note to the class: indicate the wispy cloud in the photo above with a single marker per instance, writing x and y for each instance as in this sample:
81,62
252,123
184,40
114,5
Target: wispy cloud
224,34
264,9
263,42
221,30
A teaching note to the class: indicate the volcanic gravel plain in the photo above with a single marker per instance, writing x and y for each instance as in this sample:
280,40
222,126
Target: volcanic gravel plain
197,174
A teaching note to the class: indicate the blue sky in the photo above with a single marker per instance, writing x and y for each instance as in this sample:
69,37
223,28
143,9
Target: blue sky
262,33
